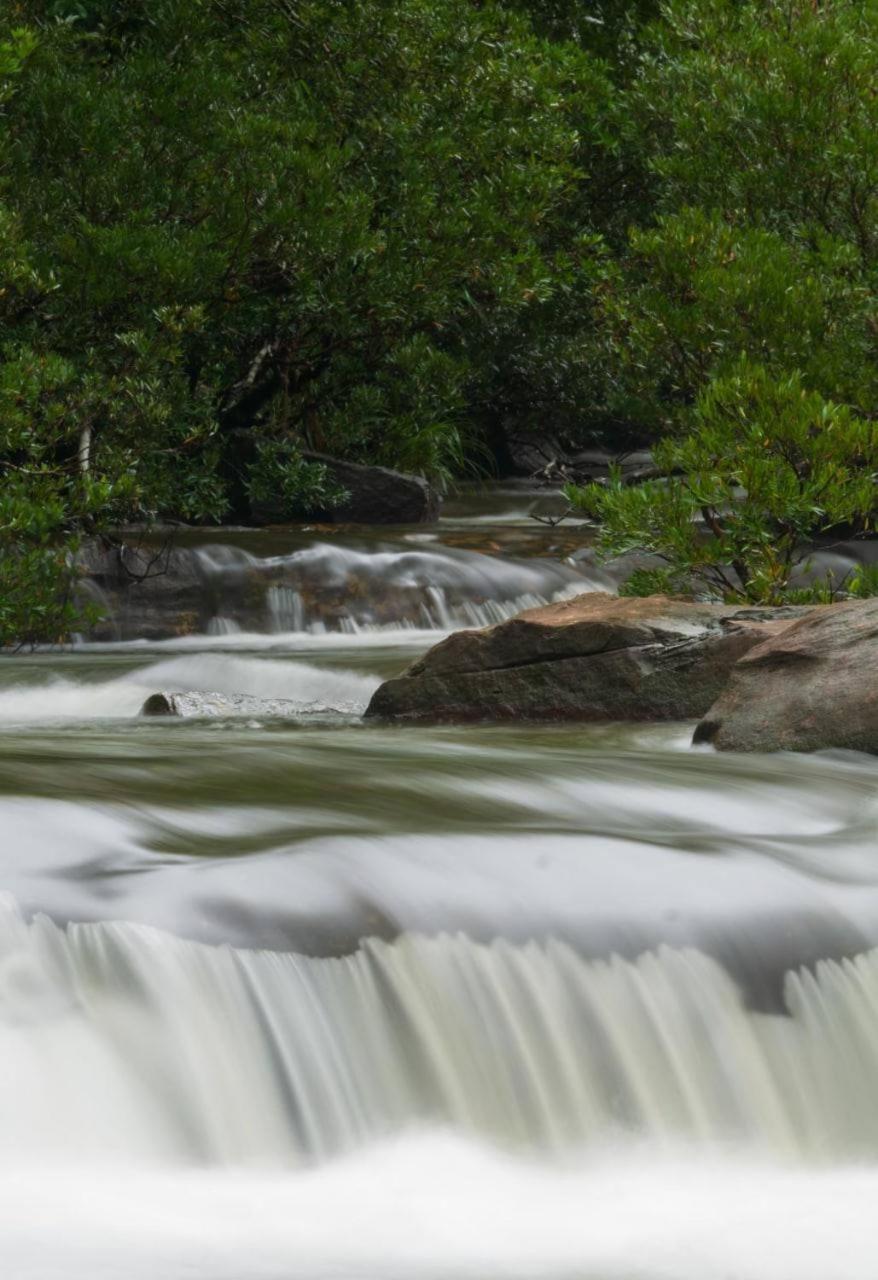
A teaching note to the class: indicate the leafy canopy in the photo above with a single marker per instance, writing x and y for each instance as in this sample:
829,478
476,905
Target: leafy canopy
240,228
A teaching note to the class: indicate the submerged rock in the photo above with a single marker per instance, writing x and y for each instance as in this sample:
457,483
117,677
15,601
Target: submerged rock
813,686
199,705
595,657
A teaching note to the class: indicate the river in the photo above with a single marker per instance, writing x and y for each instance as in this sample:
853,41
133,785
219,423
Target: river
305,997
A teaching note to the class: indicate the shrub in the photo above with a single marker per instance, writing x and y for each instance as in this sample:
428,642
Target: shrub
765,467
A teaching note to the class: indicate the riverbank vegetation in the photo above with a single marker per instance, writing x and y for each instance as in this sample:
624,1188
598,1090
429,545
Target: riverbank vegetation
237,230
764,467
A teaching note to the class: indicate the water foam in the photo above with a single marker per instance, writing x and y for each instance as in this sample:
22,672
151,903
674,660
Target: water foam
312,687
437,1208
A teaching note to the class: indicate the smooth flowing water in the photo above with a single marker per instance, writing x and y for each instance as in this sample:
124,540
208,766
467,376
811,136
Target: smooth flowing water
313,998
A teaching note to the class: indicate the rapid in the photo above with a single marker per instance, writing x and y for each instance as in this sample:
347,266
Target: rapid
305,997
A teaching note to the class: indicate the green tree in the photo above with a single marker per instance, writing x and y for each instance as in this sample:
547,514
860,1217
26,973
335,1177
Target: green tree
764,468
766,111
694,293
43,494
347,194
257,227
760,126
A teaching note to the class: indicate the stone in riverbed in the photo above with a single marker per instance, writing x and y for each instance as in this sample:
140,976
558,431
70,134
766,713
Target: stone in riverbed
378,495
812,686
200,705
597,657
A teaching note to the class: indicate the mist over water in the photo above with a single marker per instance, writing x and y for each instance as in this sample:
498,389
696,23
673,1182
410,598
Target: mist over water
439,1208
306,997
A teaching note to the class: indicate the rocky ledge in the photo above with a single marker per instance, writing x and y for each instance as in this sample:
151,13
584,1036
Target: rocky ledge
594,658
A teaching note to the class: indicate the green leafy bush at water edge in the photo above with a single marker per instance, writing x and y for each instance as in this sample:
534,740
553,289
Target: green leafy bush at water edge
765,467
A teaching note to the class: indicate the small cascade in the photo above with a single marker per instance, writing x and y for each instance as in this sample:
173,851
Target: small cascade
329,587
319,587
285,609
121,1038
220,626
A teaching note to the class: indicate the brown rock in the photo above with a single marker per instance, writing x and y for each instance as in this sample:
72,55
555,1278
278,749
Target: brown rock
596,657
812,686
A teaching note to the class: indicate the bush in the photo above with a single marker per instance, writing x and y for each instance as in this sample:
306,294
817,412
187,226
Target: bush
281,478
765,467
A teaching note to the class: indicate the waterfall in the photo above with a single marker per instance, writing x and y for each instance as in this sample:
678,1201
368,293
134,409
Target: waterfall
220,626
433,612
120,1038
285,609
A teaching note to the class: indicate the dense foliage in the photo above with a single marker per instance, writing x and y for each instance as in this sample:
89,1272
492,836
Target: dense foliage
234,230
765,467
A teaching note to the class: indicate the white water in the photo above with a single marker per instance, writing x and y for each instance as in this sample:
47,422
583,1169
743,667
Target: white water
121,1042
440,1106
333,564
54,698
316,640
163,1104
432,612
337,588
437,1208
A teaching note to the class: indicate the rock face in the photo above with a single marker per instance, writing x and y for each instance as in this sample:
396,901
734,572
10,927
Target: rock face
145,592
596,657
812,686
523,451
378,495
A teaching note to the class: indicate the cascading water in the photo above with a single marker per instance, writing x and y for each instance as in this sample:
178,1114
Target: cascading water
123,1038
305,999
338,588
305,685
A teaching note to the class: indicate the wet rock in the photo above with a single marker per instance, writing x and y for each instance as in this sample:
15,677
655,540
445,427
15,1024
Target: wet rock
595,657
195,705
150,592
377,495
547,457
812,686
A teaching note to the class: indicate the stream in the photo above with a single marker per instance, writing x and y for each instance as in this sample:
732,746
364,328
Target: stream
315,999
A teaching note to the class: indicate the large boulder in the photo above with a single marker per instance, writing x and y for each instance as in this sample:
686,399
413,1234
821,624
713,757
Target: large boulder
377,495
812,686
597,657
